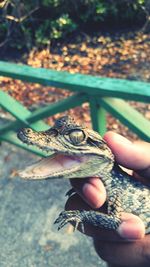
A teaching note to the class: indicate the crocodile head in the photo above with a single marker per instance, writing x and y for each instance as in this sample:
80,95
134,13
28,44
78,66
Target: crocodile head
76,151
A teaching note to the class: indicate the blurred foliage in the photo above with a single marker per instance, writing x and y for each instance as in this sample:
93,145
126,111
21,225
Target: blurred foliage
25,23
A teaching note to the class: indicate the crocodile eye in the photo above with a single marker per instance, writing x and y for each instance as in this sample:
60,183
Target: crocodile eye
27,130
77,136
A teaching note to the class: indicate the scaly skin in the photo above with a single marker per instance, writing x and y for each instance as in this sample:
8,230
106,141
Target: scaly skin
78,153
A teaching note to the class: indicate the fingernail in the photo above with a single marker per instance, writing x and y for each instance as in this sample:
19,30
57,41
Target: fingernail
130,232
121,139
92,195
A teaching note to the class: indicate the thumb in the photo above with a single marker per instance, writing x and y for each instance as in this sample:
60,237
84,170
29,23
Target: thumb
135,156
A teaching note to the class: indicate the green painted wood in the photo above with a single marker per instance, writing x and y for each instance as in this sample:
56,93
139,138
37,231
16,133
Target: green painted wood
25,118
11,138
58,107
102,121
89,87
14,107
12,125
128,116
98,116
20,113
92,85
28,119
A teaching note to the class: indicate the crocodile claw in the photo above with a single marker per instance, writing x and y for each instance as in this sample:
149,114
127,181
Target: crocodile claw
70,192
71,216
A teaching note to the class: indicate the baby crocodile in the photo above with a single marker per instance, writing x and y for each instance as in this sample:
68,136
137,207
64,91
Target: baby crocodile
79,152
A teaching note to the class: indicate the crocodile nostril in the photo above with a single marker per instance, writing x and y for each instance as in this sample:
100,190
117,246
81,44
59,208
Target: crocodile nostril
23,133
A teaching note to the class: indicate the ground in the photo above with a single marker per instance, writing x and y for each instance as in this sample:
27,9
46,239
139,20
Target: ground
28,209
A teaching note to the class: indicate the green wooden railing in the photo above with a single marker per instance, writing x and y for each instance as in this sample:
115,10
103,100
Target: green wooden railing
103,94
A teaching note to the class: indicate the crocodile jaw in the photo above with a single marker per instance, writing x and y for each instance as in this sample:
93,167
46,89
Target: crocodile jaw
58,165
79,152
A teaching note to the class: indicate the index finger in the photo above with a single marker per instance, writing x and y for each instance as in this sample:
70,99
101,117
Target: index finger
135,156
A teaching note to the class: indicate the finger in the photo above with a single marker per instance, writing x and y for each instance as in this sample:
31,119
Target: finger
131,228
125,254
129,154
91,190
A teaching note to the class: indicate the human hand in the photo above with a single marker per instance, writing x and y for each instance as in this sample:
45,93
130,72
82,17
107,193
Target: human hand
114,247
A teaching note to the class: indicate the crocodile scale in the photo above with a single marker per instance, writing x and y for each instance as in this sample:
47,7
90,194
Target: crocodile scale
80,152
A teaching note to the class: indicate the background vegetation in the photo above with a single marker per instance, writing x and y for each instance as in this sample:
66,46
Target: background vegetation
24,24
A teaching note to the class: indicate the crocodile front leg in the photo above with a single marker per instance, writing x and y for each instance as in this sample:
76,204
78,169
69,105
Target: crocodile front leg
80,217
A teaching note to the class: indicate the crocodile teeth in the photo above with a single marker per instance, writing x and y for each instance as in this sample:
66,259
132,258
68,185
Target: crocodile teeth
50,167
